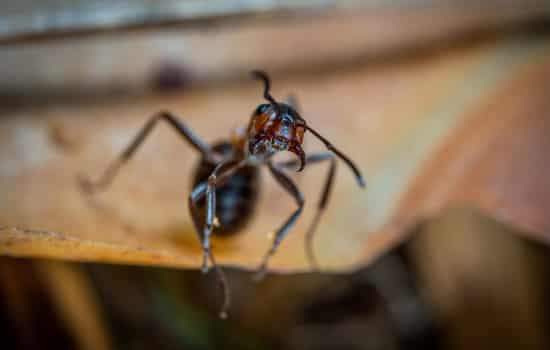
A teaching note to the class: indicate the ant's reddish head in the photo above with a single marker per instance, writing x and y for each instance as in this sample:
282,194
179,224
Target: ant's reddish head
275,127
278,127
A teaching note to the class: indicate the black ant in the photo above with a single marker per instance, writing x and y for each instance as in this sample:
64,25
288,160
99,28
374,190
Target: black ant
226,180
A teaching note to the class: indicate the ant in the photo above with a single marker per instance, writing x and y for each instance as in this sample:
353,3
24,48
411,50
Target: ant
226,180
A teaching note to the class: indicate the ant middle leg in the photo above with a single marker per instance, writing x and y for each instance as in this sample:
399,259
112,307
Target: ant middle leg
185,132
325,195
281,233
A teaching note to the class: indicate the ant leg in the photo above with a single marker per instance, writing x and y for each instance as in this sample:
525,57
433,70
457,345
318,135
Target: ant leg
111,171
327,189
291,188
226,291
218,177
197,193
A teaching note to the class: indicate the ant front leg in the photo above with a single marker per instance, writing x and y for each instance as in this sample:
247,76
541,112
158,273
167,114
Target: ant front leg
185,132
281,233
325,194
198,192
217,178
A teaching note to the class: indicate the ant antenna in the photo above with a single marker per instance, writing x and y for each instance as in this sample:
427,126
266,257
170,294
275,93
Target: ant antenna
349,162
261,75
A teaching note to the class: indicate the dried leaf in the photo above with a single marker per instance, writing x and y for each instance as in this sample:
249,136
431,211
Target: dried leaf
495,160
396,120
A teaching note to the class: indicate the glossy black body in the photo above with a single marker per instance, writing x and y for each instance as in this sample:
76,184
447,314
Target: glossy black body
235,200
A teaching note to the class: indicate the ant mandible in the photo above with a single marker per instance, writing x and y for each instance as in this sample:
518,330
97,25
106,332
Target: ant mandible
225,181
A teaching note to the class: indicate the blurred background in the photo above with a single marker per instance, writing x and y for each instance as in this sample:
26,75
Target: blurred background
443,105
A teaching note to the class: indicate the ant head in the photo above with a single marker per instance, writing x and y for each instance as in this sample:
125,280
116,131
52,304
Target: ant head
275,127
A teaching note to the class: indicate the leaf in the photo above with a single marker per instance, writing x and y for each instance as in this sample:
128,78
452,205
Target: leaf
496,160
467,125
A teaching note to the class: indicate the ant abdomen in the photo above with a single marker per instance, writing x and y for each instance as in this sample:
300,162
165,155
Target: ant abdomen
235,200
